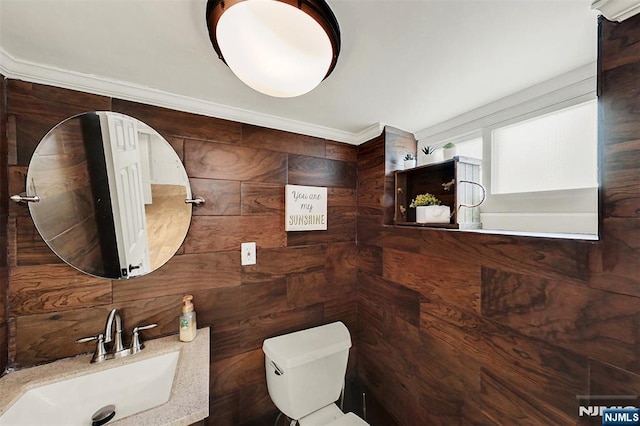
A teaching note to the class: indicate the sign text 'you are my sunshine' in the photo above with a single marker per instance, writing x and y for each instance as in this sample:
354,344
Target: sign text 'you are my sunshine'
305,208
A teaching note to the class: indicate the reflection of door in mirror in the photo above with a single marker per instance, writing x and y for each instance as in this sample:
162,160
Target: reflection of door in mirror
112,195
122,156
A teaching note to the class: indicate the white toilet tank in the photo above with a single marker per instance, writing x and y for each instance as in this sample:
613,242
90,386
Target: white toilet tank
306,369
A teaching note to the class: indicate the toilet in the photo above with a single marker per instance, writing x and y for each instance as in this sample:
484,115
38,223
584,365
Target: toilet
305,375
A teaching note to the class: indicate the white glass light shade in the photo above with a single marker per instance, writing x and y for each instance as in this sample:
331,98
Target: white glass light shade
274,47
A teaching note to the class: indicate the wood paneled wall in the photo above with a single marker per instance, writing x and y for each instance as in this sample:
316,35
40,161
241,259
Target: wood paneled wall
4,216
464,328
301,279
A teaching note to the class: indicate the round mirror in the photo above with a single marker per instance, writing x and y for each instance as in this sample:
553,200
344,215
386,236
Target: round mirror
111,195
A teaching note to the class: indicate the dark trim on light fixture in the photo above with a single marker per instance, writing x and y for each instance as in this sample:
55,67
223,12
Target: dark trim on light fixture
319,10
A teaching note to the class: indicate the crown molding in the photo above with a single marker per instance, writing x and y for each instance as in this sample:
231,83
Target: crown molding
617,10
369,133
14,68
582,79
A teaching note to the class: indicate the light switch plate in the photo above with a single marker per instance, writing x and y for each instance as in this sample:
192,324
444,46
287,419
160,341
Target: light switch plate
248,253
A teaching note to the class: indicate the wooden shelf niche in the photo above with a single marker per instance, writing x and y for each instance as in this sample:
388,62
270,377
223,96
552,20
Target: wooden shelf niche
441,179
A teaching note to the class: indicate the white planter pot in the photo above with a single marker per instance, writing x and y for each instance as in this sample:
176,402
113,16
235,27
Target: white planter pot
409,164
432,214
449,153
424,159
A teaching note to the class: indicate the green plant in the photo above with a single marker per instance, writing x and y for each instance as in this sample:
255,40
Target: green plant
409,157
449,145
424,200
428,150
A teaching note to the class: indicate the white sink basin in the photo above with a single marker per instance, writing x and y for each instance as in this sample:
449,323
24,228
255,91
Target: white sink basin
133,387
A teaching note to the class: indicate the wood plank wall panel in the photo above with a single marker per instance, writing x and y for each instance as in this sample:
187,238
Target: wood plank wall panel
340,151
262,199
509,329
170,123
398,144
498,397
278,140
220,161
4,221
222,197
308,281
16,179
177,277
46,288
609,380
227,232
538,307
30,247
313,171
620,66
370,181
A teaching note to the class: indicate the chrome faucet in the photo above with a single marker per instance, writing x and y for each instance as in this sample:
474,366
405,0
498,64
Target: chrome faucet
109,344
117,349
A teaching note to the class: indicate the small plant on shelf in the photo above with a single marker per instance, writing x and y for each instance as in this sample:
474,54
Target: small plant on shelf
428,150
429,210
409,157
450,150
424,200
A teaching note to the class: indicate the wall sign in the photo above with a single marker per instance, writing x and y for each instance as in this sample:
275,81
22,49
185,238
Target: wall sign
305,208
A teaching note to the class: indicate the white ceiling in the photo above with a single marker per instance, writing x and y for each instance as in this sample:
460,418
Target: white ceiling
409,64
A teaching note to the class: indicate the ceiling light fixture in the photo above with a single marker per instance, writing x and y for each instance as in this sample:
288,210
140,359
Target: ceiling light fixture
282,48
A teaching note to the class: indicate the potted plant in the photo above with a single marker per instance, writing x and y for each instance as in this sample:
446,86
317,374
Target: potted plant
409,161
429,210
431,155
449,150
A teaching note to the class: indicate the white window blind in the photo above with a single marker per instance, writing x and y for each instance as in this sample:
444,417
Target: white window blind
555,151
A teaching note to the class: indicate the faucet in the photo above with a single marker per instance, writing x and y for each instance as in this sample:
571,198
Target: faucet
113,335
117,348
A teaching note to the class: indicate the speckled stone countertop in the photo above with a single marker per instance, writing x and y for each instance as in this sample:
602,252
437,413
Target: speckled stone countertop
189,401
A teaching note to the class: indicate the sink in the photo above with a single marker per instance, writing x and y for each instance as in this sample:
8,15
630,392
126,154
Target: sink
132,387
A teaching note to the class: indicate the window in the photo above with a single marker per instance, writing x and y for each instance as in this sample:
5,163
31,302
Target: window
556,151
539,155
543,172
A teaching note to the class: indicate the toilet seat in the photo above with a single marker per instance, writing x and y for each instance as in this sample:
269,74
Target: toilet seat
348,419
331,415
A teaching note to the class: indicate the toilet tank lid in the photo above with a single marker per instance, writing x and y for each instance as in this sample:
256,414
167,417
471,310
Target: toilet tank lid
300,347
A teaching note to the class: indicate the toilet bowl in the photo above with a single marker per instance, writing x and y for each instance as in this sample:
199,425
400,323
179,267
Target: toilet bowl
305,374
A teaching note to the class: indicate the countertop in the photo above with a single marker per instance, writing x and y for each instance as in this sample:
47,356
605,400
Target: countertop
189,401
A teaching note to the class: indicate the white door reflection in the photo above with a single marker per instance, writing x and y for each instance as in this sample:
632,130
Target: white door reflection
122,158
112,195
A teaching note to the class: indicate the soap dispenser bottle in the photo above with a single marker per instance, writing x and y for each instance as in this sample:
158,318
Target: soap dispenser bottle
187,320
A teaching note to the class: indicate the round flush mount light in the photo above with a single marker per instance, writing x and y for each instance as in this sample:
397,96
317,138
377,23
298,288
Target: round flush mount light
282,48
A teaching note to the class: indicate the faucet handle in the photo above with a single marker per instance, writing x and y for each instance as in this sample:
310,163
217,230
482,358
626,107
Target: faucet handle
136,344
100,354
